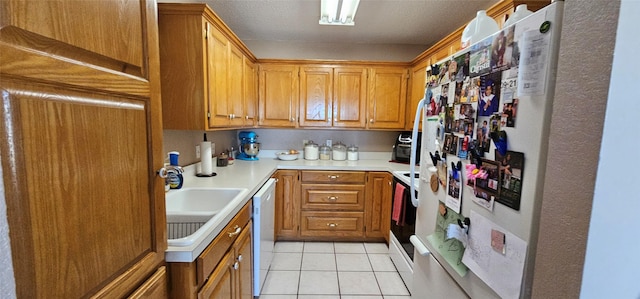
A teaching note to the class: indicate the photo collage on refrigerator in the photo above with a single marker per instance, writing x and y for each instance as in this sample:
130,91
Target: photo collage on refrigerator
475,96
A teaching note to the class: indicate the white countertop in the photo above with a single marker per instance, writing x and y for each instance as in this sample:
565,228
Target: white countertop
253,174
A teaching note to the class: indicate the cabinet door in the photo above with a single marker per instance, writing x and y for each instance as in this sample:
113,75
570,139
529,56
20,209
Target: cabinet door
378,205
250,81
278,97
387,97
218,70
287,216
183,69
235,101
316,85
417,92
221,284
350,97
84,205
154,287
244,260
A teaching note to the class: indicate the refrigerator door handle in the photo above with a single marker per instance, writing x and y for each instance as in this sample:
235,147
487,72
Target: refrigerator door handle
412,160
419,246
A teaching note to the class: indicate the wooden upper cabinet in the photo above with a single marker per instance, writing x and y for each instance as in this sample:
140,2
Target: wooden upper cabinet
350,97
203,70
387,97
279,95
416,93
89,219
235,85
316,91
218,79
250,83
333,96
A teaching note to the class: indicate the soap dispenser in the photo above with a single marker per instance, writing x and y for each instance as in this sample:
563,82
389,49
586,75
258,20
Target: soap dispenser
174,171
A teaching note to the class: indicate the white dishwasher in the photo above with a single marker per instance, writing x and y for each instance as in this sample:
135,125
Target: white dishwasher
263,233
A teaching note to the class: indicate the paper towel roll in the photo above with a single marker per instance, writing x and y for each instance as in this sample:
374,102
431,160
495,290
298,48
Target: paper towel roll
205,157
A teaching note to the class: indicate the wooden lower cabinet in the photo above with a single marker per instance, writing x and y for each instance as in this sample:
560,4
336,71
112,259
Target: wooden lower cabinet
333,205
223,270
287,214
379,192
154,287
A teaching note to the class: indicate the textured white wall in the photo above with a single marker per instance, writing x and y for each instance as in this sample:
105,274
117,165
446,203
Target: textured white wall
584,66
7,281
612,262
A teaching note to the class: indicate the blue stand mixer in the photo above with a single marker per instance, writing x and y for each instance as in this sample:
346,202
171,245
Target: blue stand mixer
249,147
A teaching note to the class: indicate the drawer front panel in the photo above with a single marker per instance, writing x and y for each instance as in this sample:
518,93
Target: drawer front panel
211,256
332,224
355,177
333,197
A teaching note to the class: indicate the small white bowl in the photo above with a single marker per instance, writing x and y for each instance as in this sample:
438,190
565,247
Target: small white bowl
287,156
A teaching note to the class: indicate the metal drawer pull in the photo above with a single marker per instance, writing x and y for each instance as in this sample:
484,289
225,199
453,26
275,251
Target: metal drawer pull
237,229
332,224
332,198
333,176
236,266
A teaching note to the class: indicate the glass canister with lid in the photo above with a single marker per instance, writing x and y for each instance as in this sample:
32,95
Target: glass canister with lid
325,152
339,152
352,153
311,151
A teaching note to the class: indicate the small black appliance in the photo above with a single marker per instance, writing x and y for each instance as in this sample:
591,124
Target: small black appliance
402,148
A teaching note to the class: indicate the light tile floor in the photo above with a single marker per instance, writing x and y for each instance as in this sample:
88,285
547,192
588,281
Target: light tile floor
328,270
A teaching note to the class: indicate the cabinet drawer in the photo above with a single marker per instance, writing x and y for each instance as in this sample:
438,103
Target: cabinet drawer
332,197
332,224
333,176
211,256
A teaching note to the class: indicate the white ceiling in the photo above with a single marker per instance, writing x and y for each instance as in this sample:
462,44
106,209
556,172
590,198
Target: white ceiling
392,23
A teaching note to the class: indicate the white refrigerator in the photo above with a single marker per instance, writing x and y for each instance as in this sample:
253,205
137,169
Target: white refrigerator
487,111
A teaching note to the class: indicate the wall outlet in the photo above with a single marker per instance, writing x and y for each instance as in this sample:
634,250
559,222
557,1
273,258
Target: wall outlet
197,151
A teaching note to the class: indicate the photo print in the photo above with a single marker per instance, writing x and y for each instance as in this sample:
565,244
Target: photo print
489,187
453,200
489,101
449,117
502,50
480,59
482,133
443,75
463,146
462,63
433,94
511,170
450,144
508,95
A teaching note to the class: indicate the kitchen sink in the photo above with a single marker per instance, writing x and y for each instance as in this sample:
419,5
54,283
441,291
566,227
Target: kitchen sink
193,211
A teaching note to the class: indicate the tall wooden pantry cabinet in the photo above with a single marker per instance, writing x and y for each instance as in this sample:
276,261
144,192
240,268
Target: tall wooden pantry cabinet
81,140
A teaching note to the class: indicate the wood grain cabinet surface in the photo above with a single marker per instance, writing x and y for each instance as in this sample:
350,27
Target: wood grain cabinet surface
208,74
223,270
84,220
333,96
318,205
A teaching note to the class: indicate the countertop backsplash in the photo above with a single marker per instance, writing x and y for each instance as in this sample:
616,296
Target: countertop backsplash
276,139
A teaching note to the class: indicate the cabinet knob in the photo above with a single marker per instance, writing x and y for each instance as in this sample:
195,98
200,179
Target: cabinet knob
293,119
236,266
246,117
332,224
371,121
237,230
332,198
240,258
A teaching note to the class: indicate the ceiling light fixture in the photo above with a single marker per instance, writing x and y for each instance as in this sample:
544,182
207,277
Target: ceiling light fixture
331,9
